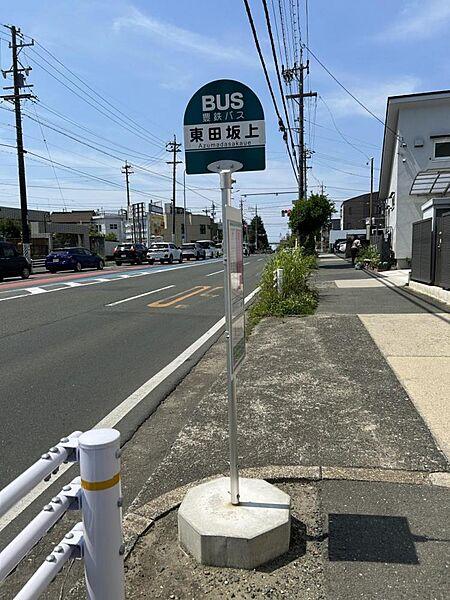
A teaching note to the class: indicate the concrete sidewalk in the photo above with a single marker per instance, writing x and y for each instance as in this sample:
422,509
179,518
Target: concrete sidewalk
322,413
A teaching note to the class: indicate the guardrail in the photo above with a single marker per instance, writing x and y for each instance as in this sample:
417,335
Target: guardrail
98,539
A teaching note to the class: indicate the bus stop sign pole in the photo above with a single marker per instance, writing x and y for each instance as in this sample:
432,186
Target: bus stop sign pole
225,185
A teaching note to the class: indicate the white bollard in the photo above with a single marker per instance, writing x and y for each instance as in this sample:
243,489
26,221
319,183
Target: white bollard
279,275
99,456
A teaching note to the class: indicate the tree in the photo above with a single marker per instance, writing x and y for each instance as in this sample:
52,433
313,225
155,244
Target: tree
93,233
308,216
10,229
111,237
257,225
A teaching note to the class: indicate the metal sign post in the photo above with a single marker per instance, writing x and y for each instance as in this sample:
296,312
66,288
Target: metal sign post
224,132
225,185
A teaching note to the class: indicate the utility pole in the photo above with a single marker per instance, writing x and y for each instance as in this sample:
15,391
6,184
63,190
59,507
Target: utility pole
371,197
297,73
127,171
19,73
174,148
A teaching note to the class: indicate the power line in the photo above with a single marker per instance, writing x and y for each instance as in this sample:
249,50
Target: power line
275,60
50,156
100,137
101,110
98,94
350,93
339,131
269,84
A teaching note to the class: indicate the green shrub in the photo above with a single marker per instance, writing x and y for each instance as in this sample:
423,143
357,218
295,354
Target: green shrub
297,297
371,255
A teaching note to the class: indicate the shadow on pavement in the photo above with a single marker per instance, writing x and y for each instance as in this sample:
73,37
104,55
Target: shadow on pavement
371,538
344,265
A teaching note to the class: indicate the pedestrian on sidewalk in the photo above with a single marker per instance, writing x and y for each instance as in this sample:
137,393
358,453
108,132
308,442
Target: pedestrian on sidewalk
356,245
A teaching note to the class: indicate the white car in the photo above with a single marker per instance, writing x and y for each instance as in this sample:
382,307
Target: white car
164,252
210,249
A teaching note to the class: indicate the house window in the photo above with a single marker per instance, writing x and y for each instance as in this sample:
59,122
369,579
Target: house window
202,229
442,148
113,225
182,228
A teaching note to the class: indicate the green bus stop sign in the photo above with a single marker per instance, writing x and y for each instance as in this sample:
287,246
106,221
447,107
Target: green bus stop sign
224,120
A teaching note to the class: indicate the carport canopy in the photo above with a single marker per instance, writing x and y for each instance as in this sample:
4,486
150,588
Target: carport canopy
432,181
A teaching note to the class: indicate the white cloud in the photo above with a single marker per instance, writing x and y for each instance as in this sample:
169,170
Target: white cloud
373,95
183,39
419,20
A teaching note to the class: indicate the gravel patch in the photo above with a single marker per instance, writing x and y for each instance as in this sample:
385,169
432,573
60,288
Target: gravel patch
158,568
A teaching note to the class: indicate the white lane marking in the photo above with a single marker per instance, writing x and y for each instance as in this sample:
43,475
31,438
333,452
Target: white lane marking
247,263
118,413
215,273
259,259
14,297
36,290
94,281
140,295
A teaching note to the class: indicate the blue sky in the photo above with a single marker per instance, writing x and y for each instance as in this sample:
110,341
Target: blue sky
149,57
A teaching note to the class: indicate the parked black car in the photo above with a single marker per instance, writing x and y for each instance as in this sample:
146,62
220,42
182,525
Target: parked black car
73,259
193,250
133,253
13,264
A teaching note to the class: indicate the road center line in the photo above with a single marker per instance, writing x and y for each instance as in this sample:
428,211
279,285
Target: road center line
215,273
140,295
121,411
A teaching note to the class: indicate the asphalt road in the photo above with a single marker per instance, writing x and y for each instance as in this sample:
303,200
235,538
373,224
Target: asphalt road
75,346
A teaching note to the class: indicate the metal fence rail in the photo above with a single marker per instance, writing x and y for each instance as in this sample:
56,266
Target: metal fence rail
97,492
44,467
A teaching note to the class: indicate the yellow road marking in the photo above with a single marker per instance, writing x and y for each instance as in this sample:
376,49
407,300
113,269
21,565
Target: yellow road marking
96,486
209,293
171,300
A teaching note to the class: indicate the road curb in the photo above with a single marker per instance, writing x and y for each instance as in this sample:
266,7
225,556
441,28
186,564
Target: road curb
139,519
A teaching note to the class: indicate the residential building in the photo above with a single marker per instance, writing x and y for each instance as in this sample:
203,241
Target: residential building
38,221
110,222
80,217
415,167
355,211
198,227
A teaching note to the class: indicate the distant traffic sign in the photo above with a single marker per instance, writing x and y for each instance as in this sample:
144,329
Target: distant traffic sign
224,120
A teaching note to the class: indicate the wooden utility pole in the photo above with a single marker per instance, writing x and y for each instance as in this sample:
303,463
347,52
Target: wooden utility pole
173,147
19,73
297,73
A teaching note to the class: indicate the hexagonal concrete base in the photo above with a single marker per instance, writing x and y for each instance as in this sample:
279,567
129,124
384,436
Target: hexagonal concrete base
217,533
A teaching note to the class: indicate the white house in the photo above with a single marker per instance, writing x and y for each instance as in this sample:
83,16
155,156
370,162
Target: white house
415,167
110,222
